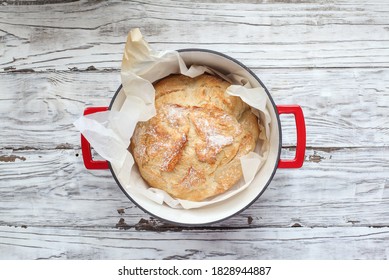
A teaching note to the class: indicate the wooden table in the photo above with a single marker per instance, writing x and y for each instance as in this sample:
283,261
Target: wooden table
331,57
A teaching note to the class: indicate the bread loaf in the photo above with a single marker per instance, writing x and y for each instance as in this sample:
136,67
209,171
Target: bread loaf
191,148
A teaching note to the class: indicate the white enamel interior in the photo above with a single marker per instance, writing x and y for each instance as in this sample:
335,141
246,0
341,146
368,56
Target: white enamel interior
220,211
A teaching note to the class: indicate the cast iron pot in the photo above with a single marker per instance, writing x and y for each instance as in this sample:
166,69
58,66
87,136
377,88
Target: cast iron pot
223,210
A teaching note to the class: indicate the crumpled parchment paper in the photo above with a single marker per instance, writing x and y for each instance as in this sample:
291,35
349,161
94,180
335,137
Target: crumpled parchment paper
109,132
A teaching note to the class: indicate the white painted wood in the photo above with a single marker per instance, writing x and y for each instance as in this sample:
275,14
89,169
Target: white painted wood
52,187
342,108
261,243
330,57
269,34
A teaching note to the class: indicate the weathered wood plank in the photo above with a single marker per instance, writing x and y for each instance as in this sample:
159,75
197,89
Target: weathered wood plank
262,35
331,57
263,243
45,106
340,187
342,108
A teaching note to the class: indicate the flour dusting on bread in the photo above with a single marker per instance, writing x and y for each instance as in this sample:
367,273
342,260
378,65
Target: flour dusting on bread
191,148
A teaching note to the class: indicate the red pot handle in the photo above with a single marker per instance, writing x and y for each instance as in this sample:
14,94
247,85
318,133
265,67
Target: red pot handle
86,148
298,160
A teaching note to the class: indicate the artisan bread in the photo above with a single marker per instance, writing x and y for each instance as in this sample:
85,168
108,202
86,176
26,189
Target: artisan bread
191,148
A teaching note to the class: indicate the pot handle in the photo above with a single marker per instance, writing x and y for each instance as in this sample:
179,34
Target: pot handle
86,148
298,160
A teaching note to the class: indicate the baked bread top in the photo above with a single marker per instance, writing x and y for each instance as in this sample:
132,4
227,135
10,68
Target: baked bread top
191,148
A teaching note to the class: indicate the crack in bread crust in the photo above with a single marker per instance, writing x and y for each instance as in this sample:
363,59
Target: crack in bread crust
191,148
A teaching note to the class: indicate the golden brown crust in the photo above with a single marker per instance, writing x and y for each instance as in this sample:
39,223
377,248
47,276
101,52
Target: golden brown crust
191,148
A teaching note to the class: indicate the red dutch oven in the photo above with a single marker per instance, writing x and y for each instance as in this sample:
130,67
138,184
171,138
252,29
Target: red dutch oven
225,209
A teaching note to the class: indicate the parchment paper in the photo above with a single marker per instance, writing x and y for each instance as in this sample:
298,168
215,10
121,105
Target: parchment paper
109,132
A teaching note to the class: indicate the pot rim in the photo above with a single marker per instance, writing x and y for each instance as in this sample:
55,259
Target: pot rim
270,177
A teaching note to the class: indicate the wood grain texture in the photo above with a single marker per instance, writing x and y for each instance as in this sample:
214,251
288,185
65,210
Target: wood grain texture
57,190
342,108
331,57
266,35
263,243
